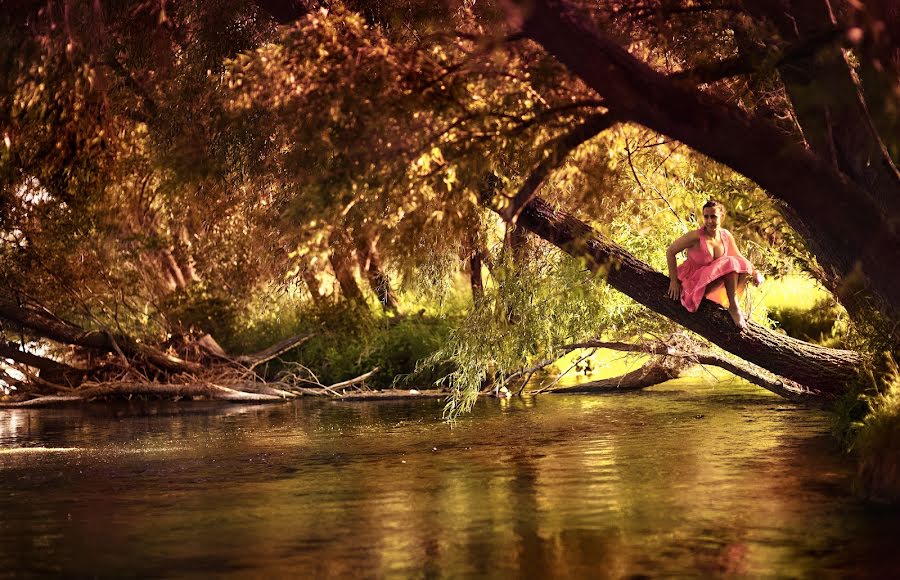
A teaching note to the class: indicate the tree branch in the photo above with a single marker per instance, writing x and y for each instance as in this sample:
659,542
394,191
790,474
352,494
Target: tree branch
554,155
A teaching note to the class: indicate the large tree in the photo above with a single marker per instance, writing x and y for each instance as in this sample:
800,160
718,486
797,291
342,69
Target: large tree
219,146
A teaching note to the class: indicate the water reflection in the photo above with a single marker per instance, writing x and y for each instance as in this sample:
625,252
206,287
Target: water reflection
683,480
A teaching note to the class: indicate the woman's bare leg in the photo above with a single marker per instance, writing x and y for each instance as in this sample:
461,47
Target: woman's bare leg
742,281
731,283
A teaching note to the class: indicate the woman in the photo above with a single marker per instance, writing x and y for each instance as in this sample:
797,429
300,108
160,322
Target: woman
714,267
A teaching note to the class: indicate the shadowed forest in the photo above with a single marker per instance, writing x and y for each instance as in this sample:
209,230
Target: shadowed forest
260,201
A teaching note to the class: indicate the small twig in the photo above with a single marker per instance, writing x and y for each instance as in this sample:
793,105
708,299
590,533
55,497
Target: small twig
565,372
358,379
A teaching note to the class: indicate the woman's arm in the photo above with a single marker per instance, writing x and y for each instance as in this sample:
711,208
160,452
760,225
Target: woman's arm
684,242
731,248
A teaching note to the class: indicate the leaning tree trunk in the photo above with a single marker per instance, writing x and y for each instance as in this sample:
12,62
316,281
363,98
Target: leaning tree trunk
827,372
829,104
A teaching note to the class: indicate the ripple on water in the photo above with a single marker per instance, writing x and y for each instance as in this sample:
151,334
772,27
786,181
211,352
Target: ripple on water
667,482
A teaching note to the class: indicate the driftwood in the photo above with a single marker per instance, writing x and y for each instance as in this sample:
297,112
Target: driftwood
671,357
199,369
652,373
276,350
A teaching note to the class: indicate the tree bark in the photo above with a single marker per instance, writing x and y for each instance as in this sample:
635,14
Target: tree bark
829,104
653,373
826,372
846,229
370,264
340,263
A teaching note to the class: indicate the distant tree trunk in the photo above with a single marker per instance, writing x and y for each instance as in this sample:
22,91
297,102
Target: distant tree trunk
517,243
826,372
476,282
312,284
370,265
339,258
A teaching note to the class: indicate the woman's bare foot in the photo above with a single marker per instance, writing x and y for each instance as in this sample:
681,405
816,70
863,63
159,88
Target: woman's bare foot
737,316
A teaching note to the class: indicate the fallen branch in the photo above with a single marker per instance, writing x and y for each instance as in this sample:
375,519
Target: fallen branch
46,401
690,352
652,373
206,390
358,379
254,360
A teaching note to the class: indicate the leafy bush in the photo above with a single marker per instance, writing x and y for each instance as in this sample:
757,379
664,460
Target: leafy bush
347,340
200,308
878,440
351,341
823,322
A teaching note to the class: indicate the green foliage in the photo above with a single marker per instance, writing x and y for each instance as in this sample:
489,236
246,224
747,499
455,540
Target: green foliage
347,340
200,308
823,322
878,439
528,311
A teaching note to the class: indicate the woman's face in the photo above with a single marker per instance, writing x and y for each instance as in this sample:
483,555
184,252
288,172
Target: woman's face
711,217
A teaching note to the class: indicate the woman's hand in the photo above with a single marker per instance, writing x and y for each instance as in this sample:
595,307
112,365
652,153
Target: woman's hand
674,289
757,278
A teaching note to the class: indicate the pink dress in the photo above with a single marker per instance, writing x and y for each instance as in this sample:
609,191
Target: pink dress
702,275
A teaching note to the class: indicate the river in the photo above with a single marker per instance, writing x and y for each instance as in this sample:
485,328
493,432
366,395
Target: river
683,479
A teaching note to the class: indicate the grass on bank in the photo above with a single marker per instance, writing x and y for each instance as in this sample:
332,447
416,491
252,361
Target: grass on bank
350,341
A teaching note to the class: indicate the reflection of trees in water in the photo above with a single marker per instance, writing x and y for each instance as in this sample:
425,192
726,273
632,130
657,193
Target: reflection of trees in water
576,486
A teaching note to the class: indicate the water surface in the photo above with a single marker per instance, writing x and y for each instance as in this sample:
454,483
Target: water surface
679,480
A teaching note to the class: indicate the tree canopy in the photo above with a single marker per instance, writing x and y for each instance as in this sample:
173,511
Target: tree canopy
165,167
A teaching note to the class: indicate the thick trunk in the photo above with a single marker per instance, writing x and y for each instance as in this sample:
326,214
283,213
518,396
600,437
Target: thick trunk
829,105
826,372
370,264
339,258
847,230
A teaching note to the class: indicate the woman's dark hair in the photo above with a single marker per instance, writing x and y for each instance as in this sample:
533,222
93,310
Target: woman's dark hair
714,203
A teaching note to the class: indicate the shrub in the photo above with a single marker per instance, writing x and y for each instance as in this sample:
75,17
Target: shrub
878,440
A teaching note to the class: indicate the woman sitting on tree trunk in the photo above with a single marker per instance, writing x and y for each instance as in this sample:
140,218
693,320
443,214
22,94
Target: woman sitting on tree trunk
714,267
